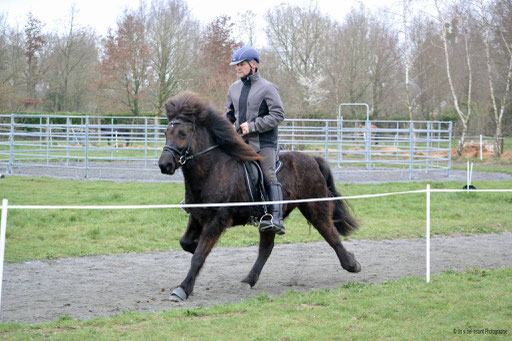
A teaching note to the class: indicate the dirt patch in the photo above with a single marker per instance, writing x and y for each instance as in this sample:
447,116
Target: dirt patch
97,286
507,155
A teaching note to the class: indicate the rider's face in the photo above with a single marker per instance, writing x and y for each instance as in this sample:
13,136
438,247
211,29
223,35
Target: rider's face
243,69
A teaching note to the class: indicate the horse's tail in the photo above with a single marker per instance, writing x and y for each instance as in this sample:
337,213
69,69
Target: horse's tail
343,220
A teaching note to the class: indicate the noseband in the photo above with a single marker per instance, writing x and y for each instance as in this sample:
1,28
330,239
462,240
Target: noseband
184,154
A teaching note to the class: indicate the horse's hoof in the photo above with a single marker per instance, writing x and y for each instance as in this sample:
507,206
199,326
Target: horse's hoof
245,285
356,268
178,295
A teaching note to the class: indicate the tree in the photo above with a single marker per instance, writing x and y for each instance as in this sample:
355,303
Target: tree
74,57
464,115
297,36
172,36
347,62
501,16
214,74
247,28
126,62
34,43
383,66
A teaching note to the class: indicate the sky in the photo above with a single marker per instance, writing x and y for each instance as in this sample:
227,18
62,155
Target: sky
102,14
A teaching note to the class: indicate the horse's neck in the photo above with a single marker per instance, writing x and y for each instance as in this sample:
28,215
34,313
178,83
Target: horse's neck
198,172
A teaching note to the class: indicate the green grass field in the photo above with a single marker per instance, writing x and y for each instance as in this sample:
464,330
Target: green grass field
474,304
452,304
48,234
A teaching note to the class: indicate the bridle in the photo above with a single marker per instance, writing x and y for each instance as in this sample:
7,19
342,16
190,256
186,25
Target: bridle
184,154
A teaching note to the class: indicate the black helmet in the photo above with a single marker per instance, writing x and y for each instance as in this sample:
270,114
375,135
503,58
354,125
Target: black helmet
245,53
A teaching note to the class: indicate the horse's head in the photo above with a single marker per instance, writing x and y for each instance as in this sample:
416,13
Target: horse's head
180,137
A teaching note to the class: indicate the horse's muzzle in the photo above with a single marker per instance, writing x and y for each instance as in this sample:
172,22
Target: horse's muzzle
167,163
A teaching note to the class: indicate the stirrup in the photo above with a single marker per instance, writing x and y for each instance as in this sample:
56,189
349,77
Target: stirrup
266,221
267,224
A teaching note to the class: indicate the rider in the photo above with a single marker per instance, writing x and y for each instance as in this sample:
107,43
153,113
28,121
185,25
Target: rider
253,104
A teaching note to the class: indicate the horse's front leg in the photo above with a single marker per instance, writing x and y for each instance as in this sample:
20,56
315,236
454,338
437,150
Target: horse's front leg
209,236
264,251
190,238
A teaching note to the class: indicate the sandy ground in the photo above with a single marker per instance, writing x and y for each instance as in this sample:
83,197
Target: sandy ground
137,171
96,286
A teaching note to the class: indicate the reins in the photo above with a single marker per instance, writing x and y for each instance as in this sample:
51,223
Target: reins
184,154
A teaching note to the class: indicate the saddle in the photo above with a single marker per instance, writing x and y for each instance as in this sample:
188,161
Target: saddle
256,184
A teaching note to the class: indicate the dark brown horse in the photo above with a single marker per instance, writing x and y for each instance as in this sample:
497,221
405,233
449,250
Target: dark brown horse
206,146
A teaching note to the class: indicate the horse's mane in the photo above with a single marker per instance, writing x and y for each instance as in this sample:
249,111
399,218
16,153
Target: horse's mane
193,108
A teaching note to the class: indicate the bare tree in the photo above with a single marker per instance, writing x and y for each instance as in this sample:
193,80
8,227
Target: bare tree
383,65
300,51
347,62
74,58
172,35
247,27
488,29
463,115
407,56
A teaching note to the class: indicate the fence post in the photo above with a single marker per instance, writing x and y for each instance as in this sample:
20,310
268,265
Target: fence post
411,148
427,236
67,141
3,227
368,143
145,142
47,140
450,125
10,165
41,133
86,146
156,137
429,145
293,135
340,140
480,147
327,141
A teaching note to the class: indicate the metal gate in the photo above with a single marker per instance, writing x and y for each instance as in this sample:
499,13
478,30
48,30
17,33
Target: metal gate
91,142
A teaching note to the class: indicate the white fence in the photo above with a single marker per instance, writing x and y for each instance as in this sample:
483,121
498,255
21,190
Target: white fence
428,191
84,143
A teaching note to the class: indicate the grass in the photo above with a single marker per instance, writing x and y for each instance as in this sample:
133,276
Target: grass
453,305
486,165
49,234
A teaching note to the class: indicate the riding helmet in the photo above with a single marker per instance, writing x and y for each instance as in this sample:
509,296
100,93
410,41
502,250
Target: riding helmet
245,53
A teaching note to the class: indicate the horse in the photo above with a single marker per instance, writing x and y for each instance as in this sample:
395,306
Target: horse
114,133
203,142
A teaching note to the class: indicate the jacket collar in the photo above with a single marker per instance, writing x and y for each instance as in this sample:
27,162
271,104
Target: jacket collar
252,78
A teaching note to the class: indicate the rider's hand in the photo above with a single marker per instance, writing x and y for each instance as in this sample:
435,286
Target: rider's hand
245,128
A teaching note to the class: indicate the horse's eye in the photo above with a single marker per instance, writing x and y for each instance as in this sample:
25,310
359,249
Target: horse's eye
182,134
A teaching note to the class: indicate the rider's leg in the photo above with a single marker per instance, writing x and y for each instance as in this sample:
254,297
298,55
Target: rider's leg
268,166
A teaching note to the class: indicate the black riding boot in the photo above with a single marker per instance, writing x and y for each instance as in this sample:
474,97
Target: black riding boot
275,223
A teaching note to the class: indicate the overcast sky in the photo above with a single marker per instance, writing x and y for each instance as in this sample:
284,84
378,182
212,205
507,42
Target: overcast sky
102,14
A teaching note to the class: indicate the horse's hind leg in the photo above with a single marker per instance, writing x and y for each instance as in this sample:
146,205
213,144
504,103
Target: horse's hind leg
316,214
265,249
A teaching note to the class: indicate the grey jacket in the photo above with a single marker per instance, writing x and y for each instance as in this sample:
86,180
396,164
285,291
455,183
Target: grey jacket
264,111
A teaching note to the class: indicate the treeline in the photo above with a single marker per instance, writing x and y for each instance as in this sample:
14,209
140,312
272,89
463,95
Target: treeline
418,60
